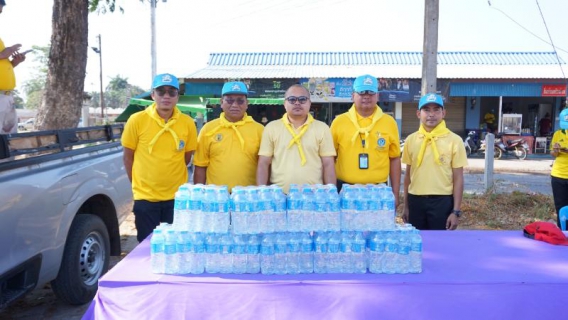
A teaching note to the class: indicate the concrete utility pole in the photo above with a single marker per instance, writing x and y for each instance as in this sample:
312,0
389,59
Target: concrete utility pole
153,35
430,50
99,50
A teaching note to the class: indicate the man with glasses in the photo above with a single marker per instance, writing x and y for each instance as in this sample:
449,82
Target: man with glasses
366,140
227,148
296,149
8,116
158,144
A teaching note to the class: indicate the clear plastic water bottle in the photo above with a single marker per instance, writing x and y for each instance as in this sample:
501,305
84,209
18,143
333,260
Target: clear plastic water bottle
253,254
358,254
170,253
308,207
404,247
226,259
184,251
388,202
361,209
307,253
415,252
210,209
195,218
280,253
349,196
320,252
333,221
346,264
239,254
320,210
390,264
212,257
181,210
197,253
222,217
266,213
239,211
267,254
377,243
157,255
334,253
294,205
279,208
253,215
374,216
294,252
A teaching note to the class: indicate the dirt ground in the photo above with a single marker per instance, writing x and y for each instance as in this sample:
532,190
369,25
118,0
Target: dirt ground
41,303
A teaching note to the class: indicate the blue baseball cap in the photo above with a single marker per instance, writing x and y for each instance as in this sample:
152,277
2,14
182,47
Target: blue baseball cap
234,87
563,119
366,83
431,98
165,79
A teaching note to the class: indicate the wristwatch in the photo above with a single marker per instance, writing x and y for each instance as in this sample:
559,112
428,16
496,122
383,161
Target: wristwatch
458,213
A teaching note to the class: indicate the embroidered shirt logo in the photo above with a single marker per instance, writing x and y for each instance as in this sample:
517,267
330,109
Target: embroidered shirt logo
218,137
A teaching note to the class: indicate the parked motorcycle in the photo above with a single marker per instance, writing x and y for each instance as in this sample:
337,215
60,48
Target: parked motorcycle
518,148
472,144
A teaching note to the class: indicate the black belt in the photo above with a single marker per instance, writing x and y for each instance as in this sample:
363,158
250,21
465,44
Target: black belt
432,195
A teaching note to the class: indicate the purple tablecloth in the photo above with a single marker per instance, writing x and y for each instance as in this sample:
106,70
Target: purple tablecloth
466,275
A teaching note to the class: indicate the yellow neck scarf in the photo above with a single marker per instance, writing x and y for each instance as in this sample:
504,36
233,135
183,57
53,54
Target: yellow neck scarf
166,126
224,123
296,138
433,135
352,114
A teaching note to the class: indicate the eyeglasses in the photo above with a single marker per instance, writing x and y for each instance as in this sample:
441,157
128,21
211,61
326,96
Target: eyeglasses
366,93
301,99
162,91
239,102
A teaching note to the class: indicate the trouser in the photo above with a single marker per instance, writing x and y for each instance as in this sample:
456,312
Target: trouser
429,212
8,116
560,195
148,215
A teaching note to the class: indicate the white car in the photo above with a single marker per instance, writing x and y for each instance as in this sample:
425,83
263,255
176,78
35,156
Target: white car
26,125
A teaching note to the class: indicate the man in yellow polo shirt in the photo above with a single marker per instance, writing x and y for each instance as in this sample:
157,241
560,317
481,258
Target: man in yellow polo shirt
227,148
296,149
434,158
367,140
158,144
8,117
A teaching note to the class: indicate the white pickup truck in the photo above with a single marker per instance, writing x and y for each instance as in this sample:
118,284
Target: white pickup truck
63,195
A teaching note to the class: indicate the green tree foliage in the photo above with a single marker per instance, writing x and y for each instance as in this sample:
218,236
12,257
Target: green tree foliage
34,88
117,93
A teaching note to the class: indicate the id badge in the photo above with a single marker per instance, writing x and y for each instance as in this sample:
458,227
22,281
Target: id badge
363,161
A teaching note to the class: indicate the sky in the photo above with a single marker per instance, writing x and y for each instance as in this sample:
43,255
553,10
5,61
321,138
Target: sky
187,31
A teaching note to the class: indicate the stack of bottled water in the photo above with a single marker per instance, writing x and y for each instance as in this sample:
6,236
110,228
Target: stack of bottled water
367,207
257,210
200,208
261,230
313,208
395,251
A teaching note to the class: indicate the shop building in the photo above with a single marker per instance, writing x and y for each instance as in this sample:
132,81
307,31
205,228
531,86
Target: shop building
528,84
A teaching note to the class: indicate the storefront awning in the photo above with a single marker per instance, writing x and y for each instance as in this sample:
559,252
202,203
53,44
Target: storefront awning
271,101
186,104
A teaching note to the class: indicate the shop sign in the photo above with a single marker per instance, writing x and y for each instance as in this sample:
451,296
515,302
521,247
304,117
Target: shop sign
553,90
267,88
390,89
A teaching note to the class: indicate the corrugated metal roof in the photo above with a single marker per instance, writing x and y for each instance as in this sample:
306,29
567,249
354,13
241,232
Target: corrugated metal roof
451,65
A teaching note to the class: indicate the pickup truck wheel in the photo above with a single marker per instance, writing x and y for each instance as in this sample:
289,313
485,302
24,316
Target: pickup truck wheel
85,260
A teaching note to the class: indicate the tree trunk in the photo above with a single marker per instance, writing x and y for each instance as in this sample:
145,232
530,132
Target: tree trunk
63,98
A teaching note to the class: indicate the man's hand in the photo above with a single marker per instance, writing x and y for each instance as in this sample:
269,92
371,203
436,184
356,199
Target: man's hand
17,58
452,222
405,215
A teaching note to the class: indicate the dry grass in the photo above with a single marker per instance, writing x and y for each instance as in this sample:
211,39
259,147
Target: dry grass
504,211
